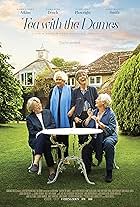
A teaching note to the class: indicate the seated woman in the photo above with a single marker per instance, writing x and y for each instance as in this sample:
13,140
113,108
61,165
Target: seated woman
104,118
37,120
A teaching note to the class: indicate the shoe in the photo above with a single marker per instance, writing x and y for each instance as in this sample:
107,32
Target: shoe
51,177
108,177
66,162
33,169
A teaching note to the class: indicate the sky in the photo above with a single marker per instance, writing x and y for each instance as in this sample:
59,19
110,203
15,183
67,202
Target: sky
72,33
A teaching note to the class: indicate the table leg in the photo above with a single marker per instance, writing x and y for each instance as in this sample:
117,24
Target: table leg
83,170
61,167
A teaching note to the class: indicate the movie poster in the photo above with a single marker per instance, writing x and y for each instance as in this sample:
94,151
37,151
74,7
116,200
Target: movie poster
75,30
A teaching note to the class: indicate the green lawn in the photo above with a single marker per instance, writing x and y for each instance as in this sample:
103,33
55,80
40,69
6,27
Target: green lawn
15,157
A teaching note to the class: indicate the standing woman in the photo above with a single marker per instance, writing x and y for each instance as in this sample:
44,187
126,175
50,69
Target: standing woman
59,104
83,99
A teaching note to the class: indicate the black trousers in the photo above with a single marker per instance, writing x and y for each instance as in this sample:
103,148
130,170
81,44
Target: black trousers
42,145
87,154
65,140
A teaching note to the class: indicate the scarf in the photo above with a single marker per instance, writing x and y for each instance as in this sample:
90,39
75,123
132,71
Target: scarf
65,104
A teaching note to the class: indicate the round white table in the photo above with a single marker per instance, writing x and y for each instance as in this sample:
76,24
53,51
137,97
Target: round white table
71,131
68,131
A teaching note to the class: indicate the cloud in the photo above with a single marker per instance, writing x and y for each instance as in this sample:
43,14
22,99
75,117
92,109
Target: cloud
105,3
130,27
8,9
85,47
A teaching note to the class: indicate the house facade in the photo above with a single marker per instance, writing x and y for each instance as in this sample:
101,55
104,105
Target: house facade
101,69
98,71
27,75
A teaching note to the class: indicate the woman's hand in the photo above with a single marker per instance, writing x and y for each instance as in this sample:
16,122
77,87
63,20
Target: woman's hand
71,111
89,112
77,120
101,125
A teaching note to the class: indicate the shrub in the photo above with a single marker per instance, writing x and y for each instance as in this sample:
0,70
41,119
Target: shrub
126,96
10,92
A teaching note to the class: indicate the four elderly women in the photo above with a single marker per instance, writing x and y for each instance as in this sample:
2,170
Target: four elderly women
86,109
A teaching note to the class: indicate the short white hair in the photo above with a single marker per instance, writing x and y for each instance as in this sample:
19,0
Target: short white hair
104,97
30,103
61,74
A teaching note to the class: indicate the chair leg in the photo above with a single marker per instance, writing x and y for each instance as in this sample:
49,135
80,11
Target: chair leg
55,156
32,159
40,166
115,166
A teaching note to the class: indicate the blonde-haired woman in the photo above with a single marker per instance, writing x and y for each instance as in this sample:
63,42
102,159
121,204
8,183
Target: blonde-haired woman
37,120
104,118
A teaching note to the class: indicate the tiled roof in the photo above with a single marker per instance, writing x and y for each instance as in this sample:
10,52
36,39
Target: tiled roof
107,86
108,63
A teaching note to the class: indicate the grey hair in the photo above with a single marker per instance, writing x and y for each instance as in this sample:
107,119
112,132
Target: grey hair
30,103
79,74
61,74
104,97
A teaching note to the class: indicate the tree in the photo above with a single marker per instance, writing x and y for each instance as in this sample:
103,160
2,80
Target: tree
10,92
126,96
59,62
43,83
62,64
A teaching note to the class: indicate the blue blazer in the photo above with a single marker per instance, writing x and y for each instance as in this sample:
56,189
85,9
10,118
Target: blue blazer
34,126
110,131
110,122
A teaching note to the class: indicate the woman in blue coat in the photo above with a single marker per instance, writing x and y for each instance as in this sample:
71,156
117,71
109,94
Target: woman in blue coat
59,105
104,118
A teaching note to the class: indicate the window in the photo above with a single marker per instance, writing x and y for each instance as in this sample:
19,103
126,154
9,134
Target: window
26,79
29,79
92,80
71,81
22,79
98,79
95,81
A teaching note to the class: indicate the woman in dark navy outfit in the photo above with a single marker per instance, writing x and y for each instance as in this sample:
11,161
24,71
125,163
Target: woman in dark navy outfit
37,120
83,99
